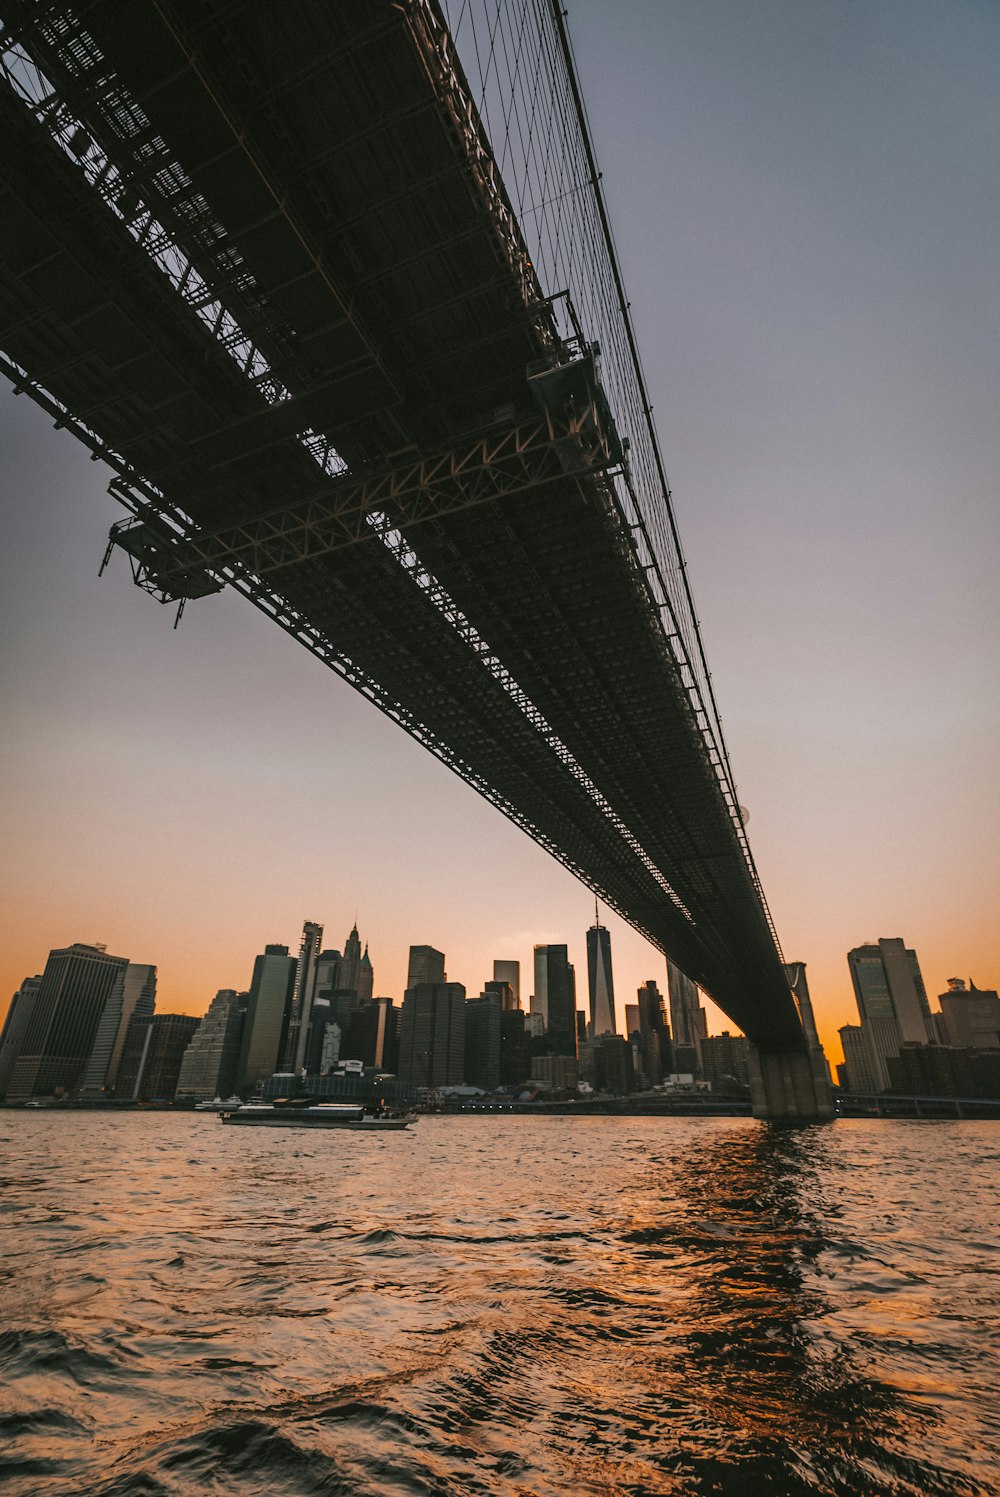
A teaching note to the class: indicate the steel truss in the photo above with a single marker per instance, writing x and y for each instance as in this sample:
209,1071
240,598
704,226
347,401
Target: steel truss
494,466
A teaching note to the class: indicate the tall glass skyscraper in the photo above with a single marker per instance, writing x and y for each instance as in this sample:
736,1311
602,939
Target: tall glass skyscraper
888,984
600,981
555,977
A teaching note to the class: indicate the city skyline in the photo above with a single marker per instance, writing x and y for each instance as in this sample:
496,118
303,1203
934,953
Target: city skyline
681,995
817,356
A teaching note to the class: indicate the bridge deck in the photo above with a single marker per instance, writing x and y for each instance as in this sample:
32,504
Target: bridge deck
340,279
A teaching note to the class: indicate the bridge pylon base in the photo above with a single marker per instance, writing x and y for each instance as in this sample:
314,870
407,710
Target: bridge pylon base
790,1085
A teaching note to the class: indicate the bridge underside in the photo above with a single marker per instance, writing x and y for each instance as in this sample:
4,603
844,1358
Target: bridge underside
260,259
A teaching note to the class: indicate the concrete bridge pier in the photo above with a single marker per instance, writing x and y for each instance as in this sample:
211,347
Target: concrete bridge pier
790,1085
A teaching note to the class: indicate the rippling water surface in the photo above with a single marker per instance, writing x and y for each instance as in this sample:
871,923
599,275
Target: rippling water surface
514,1306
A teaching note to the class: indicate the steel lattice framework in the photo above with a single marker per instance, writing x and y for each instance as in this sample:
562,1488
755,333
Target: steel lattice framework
332,290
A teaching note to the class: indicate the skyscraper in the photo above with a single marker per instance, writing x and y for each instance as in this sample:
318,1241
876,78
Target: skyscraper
482,1042
152,1056
892,1004
654,1047
303,994
506,971
14,1028
970,1016
540,996
132,997
555,978
432,1035
265,1029
66,1012
601,982
688,1024
208,1068
356,975
425,965
503,993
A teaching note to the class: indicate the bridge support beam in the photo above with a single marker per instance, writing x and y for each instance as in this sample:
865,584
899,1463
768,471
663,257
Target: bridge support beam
790,1085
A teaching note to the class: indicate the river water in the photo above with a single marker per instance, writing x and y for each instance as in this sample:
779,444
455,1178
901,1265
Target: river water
518,1306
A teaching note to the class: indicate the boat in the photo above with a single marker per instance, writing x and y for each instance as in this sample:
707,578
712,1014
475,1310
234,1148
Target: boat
309,1114
217,1105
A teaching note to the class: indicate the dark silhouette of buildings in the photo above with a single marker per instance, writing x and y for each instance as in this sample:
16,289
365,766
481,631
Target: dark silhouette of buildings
688,1022
650,1034
14,1027
970,1016
725,1058
558,981
208,1067
426,965
152,1055
132,997
432,1035
483,1017
611,1066
265,1030
515,1048
62,1026
945,1071
372,1035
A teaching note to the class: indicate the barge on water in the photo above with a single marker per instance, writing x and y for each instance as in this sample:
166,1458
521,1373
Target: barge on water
308,1114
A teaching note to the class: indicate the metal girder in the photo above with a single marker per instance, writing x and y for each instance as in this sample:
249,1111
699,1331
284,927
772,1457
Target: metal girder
494,465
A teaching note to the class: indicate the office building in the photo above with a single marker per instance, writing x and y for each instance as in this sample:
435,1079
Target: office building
945,1071
650,1034
372,1035
502,991
859,1074
425,966
559,1073
611,1065
892,1002
888,985
688,1023
507,971
356,974
62,1027
132,997
208,1067
601,984
555,977
482,1041
432,1035
303,994
539,1003
725,1058
265,1029
152,1055
515,1047
970,1016
14,1028
632,1020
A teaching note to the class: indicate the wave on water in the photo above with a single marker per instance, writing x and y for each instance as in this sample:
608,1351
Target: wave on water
551,1309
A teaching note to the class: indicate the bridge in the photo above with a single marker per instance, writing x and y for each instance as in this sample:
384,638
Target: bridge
333,291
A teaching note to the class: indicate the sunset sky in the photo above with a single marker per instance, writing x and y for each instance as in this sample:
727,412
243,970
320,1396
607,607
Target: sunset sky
805,203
